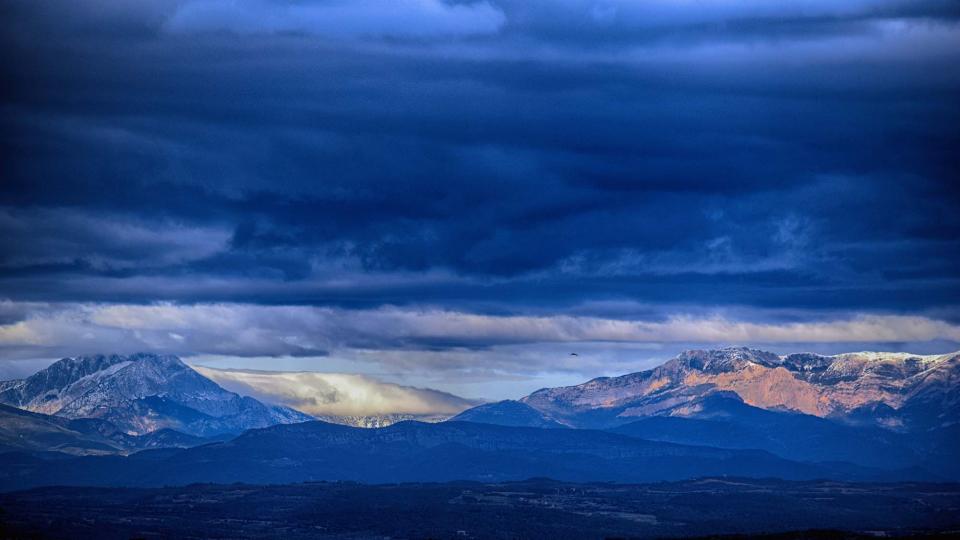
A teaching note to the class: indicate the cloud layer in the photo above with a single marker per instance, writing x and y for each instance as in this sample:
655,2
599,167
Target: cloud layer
247,330
337,394
742,153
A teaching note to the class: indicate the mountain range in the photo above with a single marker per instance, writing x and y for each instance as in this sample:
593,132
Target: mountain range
887,410
141,394
146,420
896,391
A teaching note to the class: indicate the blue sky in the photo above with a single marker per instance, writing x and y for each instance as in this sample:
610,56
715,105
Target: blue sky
458,194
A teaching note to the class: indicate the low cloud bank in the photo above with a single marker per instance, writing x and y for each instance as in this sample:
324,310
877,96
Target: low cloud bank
337,394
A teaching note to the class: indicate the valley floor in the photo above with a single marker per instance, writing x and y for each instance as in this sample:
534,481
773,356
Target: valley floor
531,509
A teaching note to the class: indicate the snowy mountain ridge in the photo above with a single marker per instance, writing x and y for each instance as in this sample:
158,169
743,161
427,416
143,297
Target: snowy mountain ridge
141,393
894,390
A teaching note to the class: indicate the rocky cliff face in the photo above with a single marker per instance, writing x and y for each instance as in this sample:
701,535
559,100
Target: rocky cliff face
139,394
896,390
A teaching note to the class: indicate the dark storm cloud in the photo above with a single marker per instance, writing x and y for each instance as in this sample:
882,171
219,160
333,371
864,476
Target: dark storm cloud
495,156
612,23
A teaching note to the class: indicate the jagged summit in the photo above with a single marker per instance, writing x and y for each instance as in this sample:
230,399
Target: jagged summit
141,393
726,359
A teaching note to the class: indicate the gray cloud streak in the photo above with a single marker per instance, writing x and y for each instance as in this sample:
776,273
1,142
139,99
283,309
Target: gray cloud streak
252,330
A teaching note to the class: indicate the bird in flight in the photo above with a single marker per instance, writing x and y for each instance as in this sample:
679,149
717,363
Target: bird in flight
574,354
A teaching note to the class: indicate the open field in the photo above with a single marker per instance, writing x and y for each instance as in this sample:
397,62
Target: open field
531,509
